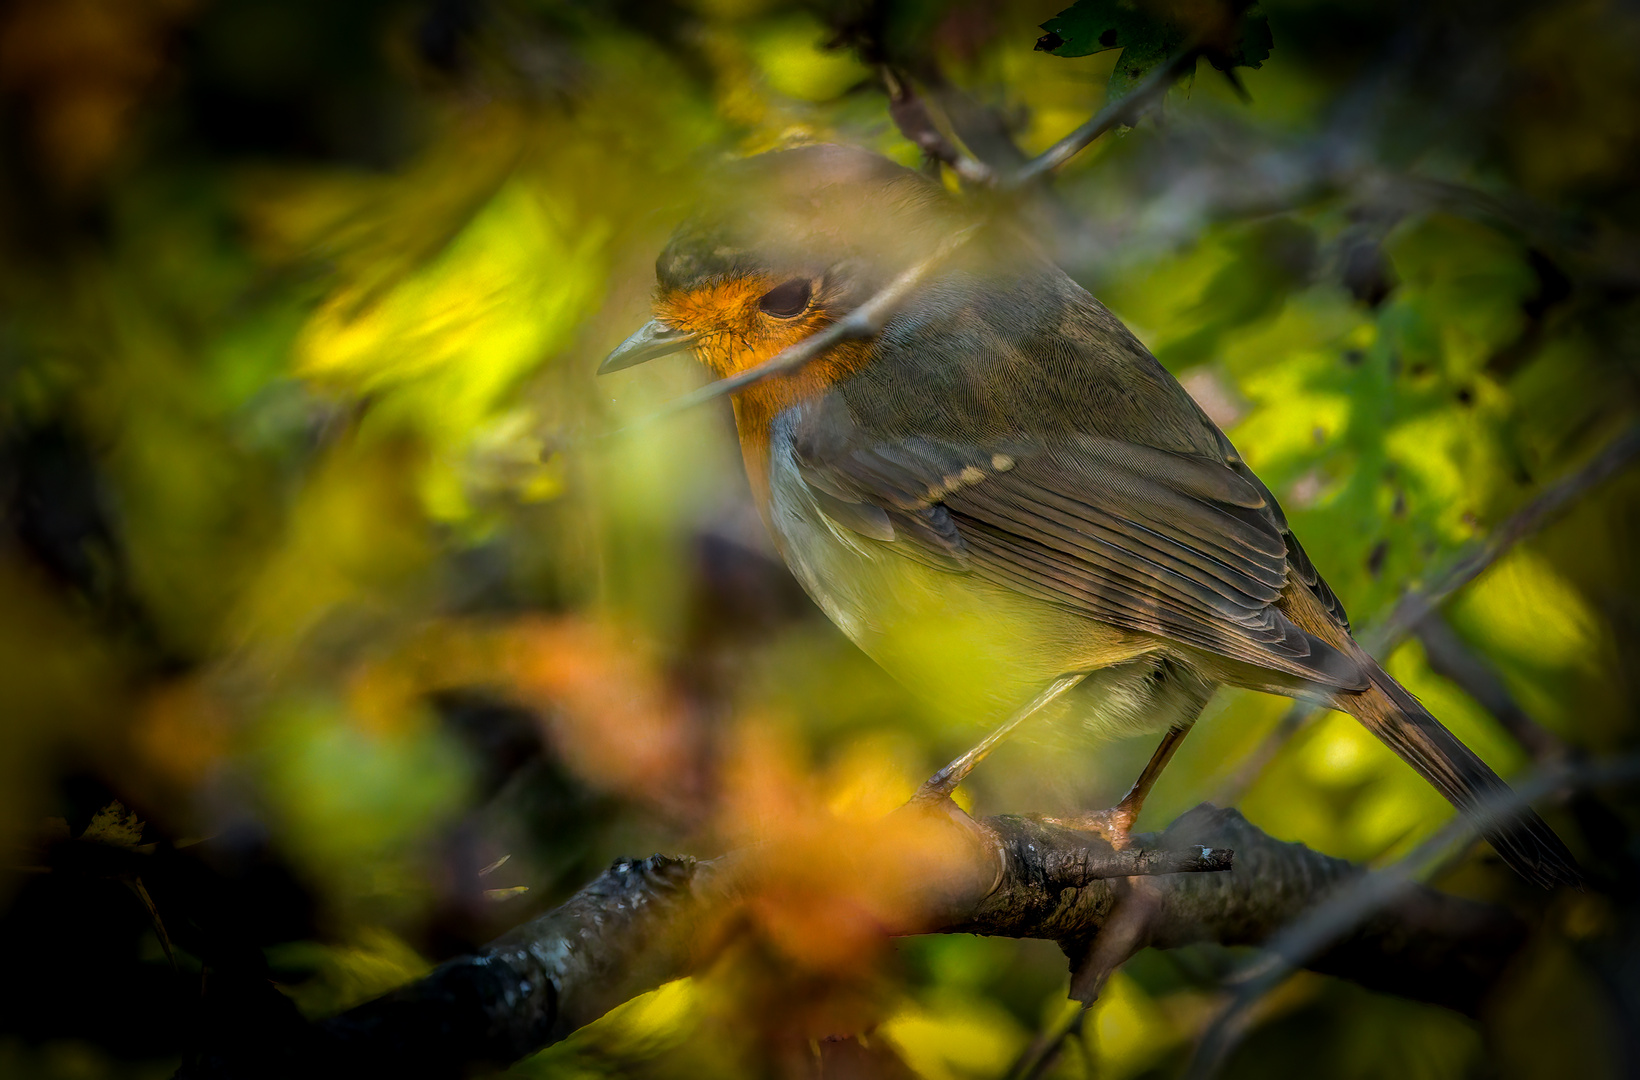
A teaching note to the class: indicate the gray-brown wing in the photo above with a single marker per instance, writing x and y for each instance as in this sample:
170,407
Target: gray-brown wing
1298,561
1181,546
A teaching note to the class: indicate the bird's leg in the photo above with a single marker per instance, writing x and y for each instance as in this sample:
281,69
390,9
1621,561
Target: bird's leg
944,782
1116,823
1185,696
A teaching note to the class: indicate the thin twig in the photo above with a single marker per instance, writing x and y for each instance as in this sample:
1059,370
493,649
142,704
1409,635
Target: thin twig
1554,500
910,114
134,883
1125,110
1043,1052
1125,932
1413,607
1451,658
1076,867
1320,927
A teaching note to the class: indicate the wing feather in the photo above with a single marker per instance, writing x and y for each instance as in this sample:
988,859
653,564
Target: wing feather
1148,540
1016,431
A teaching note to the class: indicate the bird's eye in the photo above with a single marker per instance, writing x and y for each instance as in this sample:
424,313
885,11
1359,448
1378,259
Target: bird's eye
786,301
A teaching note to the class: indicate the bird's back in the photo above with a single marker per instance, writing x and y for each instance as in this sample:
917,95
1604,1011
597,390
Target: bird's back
1018,351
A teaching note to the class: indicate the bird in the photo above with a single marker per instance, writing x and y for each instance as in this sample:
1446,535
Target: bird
1001,496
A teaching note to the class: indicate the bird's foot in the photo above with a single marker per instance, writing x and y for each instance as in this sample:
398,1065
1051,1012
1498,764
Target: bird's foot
1115,823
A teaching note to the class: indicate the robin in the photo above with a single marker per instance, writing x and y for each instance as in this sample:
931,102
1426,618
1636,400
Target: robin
1002,497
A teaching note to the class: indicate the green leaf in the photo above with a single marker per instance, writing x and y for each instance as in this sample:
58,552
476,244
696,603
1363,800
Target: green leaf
1150,33
1095,26
1136,62
1249,46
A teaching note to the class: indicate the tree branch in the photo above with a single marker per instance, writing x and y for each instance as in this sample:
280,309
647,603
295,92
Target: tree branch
640,924
910,114
1365,903
1125,110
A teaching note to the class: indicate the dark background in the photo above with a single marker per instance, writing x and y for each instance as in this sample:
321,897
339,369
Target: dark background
322,593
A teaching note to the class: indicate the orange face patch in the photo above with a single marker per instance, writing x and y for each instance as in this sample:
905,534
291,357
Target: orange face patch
735,335
723,317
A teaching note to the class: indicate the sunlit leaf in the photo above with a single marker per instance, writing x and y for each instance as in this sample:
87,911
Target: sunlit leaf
324,979
1129,1031
114,825
957,1039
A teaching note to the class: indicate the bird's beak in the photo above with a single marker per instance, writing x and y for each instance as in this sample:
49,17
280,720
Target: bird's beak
654,339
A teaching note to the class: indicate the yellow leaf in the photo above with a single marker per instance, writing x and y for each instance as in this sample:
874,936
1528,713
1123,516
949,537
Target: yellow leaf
958,1038
115,826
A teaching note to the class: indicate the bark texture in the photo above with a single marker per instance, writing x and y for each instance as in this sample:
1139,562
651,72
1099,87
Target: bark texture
1212,877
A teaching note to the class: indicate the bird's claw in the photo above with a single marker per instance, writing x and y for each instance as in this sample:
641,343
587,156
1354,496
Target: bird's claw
1114,824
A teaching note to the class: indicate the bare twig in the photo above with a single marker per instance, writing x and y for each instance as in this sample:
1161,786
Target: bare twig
1618,455
1348,907
1125,110
910,114
1075,867
1415,606
1043,1052
1451,658
1124,933
134,883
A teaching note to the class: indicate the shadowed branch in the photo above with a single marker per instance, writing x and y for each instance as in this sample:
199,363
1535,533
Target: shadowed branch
1126,110
641,924
1317,930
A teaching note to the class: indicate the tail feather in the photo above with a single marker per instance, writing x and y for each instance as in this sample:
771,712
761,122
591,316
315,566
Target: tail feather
1522,838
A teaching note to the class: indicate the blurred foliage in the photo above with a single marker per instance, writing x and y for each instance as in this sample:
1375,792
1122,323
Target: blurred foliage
317,549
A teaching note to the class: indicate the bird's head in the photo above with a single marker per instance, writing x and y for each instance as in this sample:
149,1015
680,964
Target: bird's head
793,240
